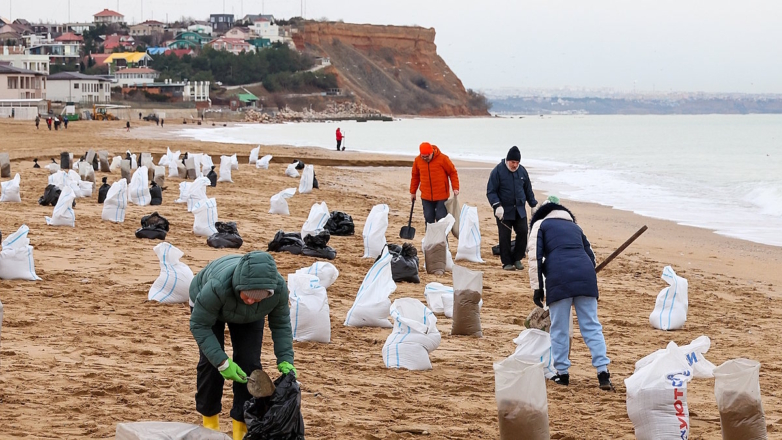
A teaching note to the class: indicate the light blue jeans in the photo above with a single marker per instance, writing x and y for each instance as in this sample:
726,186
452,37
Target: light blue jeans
591,331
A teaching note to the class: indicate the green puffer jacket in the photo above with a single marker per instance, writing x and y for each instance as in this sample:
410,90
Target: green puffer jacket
215,295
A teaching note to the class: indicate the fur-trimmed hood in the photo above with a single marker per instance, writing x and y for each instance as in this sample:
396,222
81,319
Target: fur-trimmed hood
549,207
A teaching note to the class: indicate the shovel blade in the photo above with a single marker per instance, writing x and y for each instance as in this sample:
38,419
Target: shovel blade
407,233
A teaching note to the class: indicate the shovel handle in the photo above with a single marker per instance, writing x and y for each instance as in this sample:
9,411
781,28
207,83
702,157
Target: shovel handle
410,221
620,249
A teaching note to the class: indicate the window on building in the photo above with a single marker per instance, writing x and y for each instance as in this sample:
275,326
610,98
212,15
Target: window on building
76,86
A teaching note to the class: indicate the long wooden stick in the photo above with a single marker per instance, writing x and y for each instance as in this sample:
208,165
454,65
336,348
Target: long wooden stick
620,249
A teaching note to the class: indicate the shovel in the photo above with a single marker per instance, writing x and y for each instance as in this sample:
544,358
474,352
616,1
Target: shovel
408,232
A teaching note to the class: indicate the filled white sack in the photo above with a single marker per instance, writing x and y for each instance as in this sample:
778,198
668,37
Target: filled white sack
448,304
414,336
53,167
9,190
307,179
278,203
225,169
374,232
116,202
183,186
16,258
693,352
520,393
86,172
309,309
206,164
85,188
657,397
434,292
327,273
197,159
166,430
196,192
63,214
670,308
165,159
234,162
138,190
205,216
173,283
133,160
263,162
173,164
116,163
469,247
437,253
254,154
737,390
72,179
372,306
291,171
319,215
533,345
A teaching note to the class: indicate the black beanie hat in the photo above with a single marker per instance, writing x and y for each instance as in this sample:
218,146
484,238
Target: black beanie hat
514,154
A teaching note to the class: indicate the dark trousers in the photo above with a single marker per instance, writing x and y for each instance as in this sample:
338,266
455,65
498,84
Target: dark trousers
434,211
246,341
339,142
520,226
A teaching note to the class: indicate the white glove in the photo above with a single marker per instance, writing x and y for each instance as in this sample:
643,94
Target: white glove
499,212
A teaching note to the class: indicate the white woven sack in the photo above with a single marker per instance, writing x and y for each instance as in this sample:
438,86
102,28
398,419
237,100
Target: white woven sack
327,273
372,306
138,190
173,283
263,163
165,159
693,352
197,163
72,180
86,172
173,164
309,309
254,154
234,162
133,160
196,192
448,305
116,202
9,190
278,203
469,247
533,345
319,215
183,188
434,294
415,335
657,397
291,171
225,169
116,163
437,233
205,216
63,214
53,167
670,308
520,392
166,430
206,164
16,258
307,177
374,232
85,188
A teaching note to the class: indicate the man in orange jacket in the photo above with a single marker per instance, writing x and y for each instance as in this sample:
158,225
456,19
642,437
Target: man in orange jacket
432,171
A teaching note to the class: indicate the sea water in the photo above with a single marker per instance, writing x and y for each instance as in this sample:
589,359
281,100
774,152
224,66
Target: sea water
721,172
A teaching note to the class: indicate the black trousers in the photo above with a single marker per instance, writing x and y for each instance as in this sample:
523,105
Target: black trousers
339,142
434,211
246,341
520,226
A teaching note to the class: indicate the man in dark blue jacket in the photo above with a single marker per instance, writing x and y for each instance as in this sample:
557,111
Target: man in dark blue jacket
509,191
562,264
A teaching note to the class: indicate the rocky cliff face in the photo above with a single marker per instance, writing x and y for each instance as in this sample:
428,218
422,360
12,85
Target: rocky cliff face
395,69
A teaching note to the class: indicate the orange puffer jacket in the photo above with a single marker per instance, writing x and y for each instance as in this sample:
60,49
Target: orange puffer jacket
433,177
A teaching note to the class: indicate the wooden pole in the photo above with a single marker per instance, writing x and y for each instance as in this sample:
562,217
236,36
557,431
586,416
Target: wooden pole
620,249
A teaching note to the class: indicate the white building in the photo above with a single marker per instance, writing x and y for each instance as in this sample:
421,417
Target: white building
36,63
266,28
77,87
203,29
136,76
108,16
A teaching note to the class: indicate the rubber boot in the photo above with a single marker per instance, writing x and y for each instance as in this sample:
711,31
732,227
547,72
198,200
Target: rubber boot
212,422
240,429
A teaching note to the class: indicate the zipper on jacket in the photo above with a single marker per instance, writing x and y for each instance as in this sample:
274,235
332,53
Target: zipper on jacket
431,188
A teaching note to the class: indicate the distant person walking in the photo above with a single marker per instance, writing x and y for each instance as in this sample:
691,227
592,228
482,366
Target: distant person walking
139,116
127,126
339,139
434,173
37,121
64,121
509,190
162,121
49,122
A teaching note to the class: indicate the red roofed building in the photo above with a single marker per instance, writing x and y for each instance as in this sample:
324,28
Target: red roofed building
69,37
114,41
179,52
108,16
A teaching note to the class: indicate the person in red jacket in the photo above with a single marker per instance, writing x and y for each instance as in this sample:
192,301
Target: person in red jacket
432,171
339,139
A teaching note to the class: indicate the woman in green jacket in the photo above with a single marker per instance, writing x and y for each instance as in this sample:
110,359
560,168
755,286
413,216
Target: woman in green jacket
238,290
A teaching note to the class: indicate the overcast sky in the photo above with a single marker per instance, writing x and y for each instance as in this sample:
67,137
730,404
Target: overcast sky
684,45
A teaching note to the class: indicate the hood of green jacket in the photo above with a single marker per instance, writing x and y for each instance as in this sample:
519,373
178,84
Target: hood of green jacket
255,270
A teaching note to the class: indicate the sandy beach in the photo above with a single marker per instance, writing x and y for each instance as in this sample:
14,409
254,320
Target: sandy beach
83,349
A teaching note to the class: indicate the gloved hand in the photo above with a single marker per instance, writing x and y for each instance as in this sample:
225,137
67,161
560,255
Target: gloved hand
499,212
286,367
229,370
537,297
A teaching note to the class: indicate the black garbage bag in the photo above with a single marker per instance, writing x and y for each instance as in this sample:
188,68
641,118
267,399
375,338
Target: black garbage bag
50,196
340,223
277,417
404,263
495,250
286,242
315,181
317,246
227,236
156,194
153,226
103,191
299,164
212,176
35,163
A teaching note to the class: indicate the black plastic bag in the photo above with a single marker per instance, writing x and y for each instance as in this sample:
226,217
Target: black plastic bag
286,242
340,223
404,263
103,191
317,246
153,226
156,194
495,250
315,181
212,176
50,196
227,236
277,417
299,164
